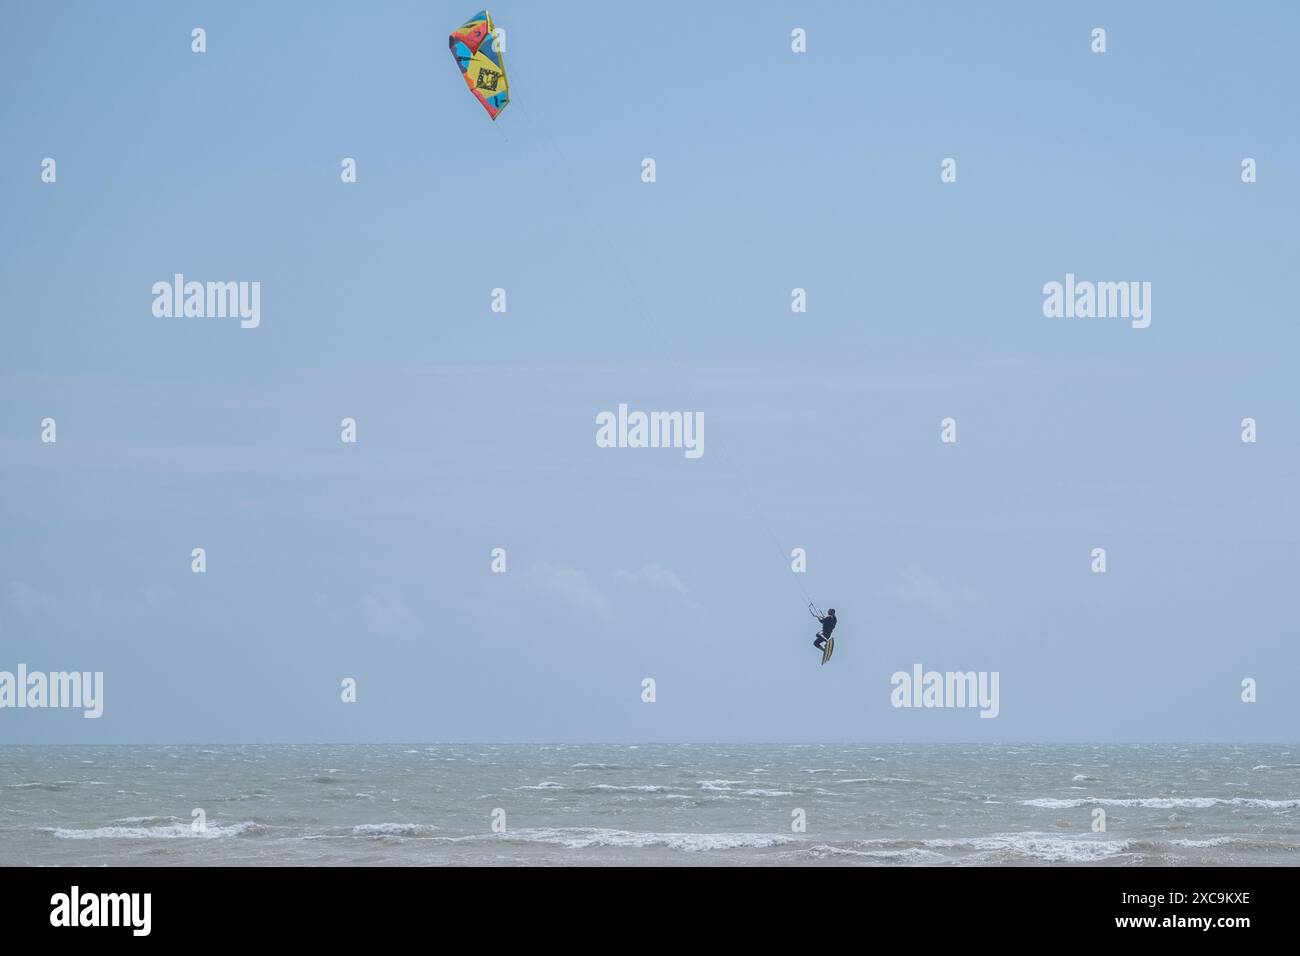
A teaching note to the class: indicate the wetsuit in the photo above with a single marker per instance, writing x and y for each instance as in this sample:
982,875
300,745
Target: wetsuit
828,625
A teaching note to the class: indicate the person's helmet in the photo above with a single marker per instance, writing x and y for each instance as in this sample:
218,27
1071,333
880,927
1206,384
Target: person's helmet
831,611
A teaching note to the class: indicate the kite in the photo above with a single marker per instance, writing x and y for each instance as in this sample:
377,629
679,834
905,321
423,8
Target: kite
474,46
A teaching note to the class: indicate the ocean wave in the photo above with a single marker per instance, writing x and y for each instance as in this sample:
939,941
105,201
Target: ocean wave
1039,846
172,831
544,785
1162,803
1217,841
581,838
766,793
720,784
635,788
394,829
155,821
904,855
1240,843
1044,847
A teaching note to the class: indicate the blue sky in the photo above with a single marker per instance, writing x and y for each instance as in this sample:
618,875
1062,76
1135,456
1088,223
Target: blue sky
775,171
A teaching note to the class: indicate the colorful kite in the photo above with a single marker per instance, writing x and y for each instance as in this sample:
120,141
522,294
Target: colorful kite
484,67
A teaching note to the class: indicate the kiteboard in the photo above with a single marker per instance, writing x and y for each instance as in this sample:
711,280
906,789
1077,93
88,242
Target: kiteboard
828,649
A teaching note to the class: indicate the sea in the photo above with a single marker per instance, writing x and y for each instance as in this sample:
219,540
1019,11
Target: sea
651,805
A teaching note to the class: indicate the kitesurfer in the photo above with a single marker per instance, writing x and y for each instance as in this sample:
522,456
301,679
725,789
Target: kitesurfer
828,625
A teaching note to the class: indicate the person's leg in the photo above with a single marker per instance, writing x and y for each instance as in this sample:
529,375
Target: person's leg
819,642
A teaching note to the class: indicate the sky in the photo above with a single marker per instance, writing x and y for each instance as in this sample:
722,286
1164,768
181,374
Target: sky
775,170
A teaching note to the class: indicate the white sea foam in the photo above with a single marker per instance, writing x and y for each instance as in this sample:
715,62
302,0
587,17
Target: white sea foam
394,829
1039,846
581,838
173,831
1047,847
1163,803
906,855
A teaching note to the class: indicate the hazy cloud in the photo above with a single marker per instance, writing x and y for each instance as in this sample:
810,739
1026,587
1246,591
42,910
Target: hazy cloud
921,590
568,585
653,576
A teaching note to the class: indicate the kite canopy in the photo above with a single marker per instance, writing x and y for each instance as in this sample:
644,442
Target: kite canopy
484,69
